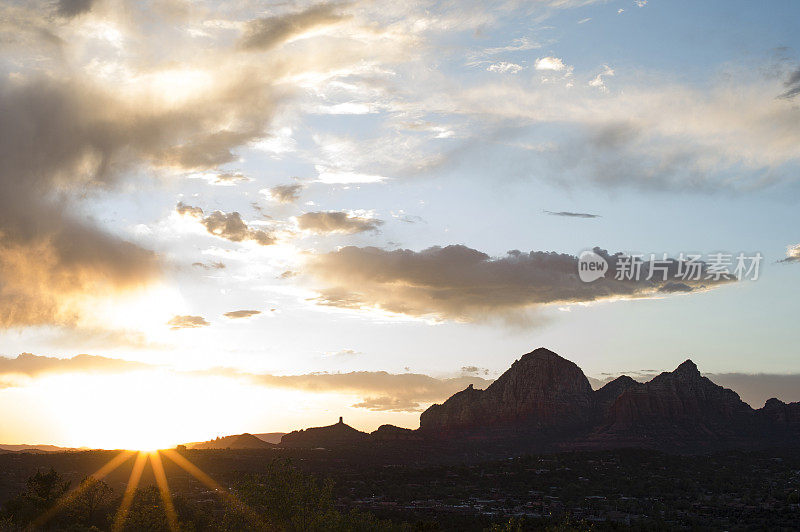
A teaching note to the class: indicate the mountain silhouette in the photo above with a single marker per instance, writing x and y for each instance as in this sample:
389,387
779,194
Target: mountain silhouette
540,390
544,401
547,398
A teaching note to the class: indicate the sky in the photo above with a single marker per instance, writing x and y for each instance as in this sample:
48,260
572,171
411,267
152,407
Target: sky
260,216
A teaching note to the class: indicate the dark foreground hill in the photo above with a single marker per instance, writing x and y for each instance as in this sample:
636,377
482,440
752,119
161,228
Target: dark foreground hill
545,402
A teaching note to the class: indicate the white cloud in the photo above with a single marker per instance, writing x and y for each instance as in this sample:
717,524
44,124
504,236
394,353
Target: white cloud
517,45
599,82
792,253
504,67
549,63
346,108
332,176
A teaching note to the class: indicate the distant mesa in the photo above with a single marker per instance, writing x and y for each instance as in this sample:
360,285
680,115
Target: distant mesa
239,441
329,436
270,437
388,433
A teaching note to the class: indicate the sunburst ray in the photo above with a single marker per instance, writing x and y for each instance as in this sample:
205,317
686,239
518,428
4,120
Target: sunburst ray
130,491
67,498
163,487
212,484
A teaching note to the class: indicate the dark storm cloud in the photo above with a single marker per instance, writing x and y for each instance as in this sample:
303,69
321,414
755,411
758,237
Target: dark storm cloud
229,226
270,32
286,193
187,322
336,222
572,214
464,284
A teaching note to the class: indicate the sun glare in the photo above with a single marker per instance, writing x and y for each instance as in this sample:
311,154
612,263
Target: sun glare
151,409
141,410
146,310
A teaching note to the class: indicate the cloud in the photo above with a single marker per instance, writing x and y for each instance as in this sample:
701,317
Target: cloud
221,178
549,63
54,140
230,177
336,222
343,177
405,392
572,214
728,136
599,81
517,45
239,314
72,8
475,370
187,322
209,265
229,226
33,366
187,210
504,67
463,284
285,193
792,86
342,353
792,254
63,141
271,32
